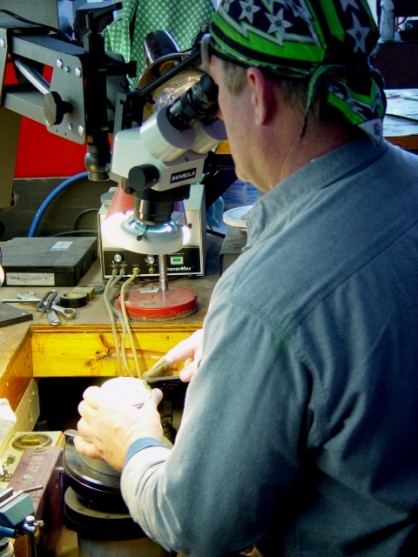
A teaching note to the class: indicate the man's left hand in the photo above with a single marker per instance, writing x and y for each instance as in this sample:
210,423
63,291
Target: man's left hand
108,427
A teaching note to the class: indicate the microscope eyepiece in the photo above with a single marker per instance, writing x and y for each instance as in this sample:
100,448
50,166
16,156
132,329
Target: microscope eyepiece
200,102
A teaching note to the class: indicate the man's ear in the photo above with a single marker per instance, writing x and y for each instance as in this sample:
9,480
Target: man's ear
262,95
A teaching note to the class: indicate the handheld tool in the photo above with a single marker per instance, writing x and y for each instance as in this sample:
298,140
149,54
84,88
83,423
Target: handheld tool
45,306
159,369
30,297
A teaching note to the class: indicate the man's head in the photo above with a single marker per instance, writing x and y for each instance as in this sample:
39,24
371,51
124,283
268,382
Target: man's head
325,44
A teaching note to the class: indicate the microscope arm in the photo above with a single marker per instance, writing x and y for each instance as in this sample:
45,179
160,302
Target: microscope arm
69,87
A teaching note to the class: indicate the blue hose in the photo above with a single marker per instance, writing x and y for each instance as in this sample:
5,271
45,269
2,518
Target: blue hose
48,200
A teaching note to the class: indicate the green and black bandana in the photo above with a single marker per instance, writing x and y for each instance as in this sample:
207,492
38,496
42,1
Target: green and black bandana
323,41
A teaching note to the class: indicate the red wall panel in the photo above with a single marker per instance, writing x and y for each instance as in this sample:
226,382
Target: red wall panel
43,154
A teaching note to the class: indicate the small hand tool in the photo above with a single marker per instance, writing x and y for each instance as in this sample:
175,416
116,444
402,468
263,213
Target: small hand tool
159,369
30,297
45,306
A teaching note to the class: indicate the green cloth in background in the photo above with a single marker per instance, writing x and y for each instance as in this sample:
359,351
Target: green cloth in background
137,18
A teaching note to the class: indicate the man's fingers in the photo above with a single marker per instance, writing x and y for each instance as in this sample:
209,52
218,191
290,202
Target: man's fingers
86,410
83,428
186,374
185,348
93,395
85,448
157,396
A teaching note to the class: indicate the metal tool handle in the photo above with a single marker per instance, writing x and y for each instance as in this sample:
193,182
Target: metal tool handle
46,302
53,317
68,313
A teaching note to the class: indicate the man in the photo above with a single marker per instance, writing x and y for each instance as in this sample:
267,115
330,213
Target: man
299,428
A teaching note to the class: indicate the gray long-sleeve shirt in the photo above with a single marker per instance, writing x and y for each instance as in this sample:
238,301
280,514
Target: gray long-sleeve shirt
302,422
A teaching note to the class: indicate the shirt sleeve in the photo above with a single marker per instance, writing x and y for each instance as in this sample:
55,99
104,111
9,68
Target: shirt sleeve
237,450
141,444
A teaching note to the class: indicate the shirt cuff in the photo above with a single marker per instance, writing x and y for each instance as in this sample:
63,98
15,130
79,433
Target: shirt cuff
139,445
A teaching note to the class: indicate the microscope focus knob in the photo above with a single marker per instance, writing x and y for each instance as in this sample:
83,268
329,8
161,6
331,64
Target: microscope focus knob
55,108
142,177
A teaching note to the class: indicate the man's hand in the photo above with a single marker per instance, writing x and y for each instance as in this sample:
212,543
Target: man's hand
108,426
189,351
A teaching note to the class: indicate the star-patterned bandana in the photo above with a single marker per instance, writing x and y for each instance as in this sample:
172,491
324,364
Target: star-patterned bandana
327,42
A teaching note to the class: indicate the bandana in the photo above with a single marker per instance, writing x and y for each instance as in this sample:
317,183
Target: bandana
323,41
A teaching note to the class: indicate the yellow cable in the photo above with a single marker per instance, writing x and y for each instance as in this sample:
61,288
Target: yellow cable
106,298
135,273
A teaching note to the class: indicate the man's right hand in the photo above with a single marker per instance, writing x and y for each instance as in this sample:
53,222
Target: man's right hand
188,351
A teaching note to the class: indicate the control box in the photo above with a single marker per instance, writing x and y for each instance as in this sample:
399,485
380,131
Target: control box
190,260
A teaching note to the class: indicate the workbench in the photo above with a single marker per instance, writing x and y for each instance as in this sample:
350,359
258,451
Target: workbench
401,120
84,346
35,352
